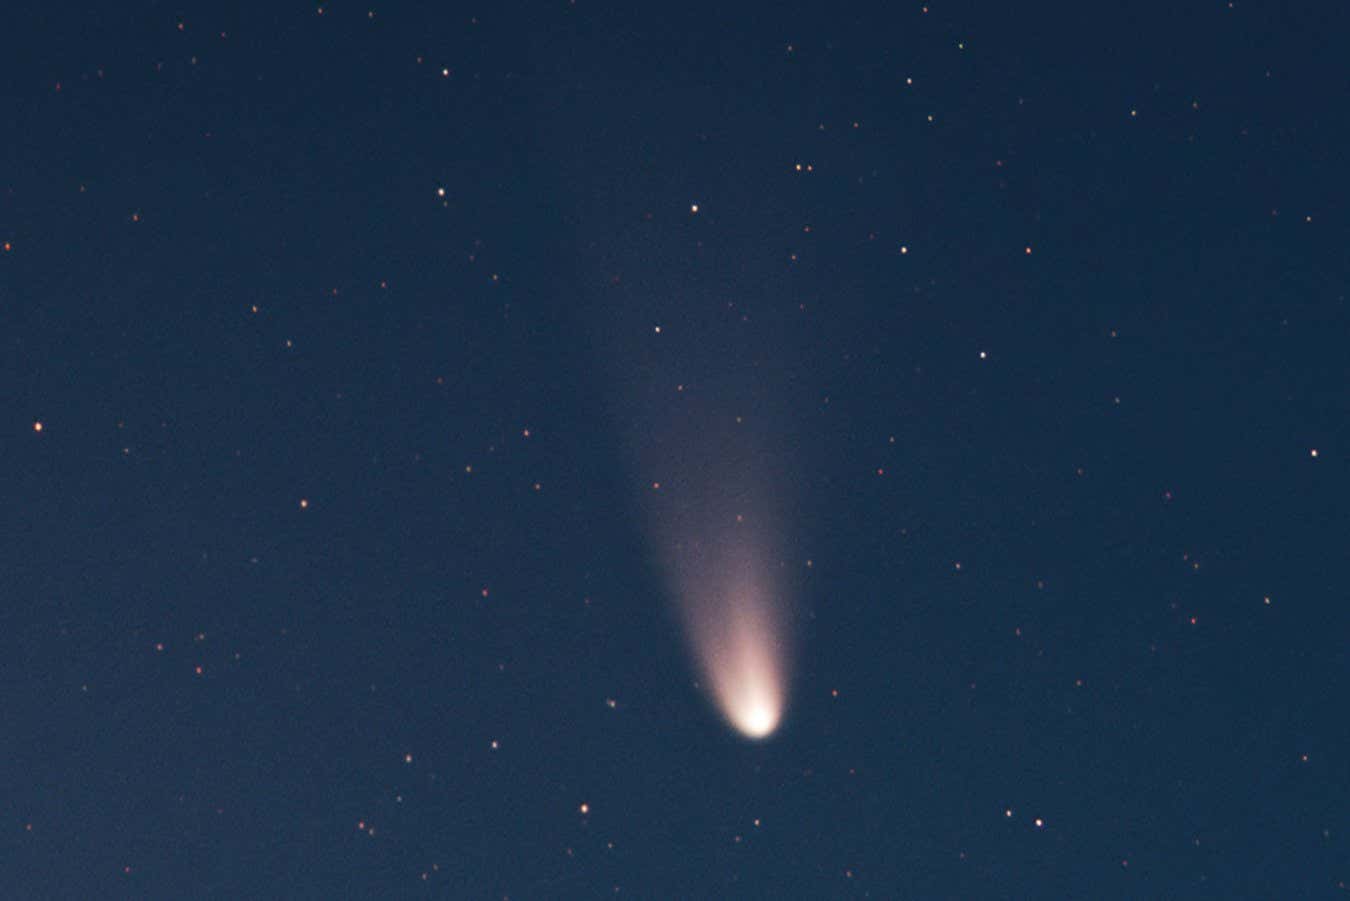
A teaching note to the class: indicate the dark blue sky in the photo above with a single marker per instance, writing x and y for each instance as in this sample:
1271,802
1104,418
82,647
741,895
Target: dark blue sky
344,349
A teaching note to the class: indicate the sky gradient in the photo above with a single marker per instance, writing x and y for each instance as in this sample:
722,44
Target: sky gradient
402,405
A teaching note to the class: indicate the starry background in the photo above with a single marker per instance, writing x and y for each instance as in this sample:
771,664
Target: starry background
342,348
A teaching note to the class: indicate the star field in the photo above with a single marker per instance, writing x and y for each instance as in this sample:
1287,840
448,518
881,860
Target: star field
431,432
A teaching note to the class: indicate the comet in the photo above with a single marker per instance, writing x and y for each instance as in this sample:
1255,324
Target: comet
736,624
720,521
741,656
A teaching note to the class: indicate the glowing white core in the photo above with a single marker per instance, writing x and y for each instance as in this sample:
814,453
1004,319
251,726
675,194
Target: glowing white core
758,720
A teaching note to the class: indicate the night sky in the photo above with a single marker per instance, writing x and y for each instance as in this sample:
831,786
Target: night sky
578,449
